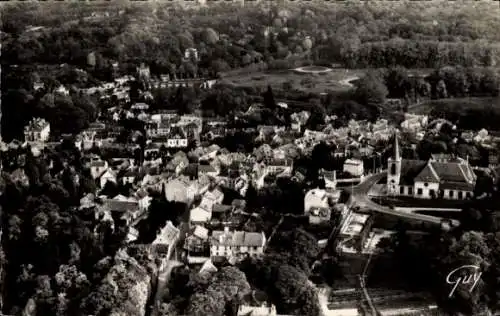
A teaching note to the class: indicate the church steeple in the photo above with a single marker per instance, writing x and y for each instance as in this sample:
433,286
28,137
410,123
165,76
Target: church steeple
397,154
394,168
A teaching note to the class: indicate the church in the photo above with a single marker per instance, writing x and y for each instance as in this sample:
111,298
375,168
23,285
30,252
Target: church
442,176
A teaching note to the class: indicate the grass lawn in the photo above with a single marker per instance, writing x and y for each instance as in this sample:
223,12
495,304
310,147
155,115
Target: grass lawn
464,103
315,83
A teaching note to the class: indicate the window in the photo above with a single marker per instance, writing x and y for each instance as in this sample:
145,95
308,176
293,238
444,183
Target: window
460,195
426,184
451,193
468,195
420,191
401,190
393,169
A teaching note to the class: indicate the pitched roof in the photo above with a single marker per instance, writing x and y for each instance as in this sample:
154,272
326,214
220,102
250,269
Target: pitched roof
238,238
452,171
428,174
121,206
410,169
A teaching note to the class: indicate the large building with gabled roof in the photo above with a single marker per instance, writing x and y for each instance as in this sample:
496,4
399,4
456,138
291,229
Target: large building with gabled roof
441,176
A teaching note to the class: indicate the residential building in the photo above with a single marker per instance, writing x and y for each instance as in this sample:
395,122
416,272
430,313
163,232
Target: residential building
449,179
126,209
191,54
231,244
316,198
261,310
319,215
354,167
97,168
38,130
108,176
177,138
200,215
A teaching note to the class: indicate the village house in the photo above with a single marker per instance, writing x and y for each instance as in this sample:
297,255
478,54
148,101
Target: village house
319,215
182,189
282,167
200,215
354,167
178,163
316,198
231,244
191,54
451,179
165,241
128,177
211,198
38,130
261,310
97,168
108,176
197,242
177,138
207,170
123,208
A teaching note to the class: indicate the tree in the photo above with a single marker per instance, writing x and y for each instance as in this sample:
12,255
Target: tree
371,90
269,102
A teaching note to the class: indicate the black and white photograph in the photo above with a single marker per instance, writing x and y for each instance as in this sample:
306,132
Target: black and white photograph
250,158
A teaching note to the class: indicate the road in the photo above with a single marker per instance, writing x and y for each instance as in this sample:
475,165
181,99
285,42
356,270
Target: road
360,198
163,279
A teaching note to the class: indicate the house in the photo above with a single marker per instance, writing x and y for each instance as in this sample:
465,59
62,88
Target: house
354,167
450,179
230,244
108,176
207,170
191,54
166,239
143,199
197,242
38,130
178,163
124,209
279,166
128,177
319,215
200,215
177,138
97,168
260,310
211,198
316,198
182,189
139,106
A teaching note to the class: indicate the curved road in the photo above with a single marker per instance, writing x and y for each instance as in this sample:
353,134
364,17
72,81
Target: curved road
360,198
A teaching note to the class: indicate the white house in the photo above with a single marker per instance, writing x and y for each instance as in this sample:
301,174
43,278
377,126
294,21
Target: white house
233,244
200,215
261,310
315,198
38,130
108,176
354,167
97,168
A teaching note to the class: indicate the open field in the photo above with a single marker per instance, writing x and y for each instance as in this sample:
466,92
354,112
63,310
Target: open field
462,103
334,80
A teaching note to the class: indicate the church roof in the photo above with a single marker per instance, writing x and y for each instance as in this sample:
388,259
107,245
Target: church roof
410,169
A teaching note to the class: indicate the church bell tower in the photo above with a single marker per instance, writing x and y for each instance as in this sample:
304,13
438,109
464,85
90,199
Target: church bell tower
394,169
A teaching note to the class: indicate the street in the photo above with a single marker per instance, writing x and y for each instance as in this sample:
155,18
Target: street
360,198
